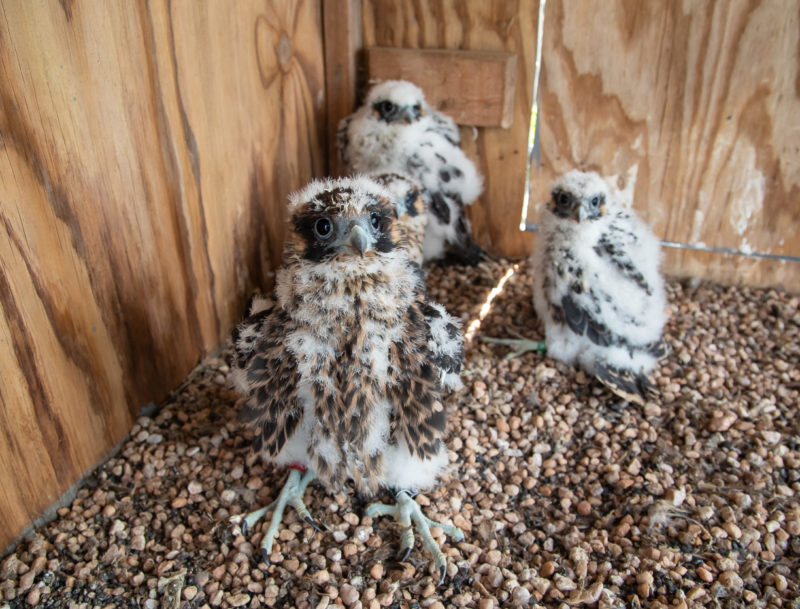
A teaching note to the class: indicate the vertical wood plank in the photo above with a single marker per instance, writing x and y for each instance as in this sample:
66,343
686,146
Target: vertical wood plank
146,154
692,110
342,27
500,154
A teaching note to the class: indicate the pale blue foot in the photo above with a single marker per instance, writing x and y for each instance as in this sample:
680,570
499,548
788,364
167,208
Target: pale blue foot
407,511
291,494
521,344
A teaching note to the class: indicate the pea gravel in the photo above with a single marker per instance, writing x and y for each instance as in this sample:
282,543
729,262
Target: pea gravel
568,496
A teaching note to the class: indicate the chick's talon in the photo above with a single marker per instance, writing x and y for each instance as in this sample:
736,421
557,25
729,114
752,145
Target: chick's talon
407,511
291,494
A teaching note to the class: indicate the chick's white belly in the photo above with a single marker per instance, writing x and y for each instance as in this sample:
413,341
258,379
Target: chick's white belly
401,470
563,344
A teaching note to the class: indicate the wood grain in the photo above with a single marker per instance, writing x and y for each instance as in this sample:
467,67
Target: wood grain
146,153
342,23
472,87
500,154
691,109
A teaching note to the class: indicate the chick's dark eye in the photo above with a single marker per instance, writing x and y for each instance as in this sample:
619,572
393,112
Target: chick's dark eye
562,198
375,220
595,201
386,107
323,228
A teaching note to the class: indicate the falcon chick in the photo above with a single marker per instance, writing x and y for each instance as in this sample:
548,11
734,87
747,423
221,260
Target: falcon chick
597,287
396,131
343,377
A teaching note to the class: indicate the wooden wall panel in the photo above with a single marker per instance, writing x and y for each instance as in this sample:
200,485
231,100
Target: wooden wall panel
146,152
692,108
471,87
499,153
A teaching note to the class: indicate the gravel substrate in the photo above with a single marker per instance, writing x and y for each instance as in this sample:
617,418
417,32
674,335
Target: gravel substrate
567,495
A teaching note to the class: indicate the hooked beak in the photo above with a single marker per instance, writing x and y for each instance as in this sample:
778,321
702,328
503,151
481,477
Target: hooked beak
410,115
359,239
581,213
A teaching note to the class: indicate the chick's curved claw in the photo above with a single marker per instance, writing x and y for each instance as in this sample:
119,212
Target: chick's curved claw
407,511
404,553
291,494
313,523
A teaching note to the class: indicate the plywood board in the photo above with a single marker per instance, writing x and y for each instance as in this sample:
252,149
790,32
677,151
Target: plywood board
342,23
692,111
499,153
146,153
472,87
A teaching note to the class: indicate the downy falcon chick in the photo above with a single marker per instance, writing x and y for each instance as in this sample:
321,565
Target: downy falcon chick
396,131
344,376
597,287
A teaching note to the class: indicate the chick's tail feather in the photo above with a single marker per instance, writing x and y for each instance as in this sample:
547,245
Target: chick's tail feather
632,386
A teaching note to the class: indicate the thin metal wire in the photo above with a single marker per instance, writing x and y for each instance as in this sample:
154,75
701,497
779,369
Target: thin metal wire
531,227
534,151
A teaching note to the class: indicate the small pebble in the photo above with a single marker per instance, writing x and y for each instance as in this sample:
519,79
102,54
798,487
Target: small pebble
348,594
321,577
731,580
705,574
563,583
493,557
721,420
547,569
520,596
493,577
239,600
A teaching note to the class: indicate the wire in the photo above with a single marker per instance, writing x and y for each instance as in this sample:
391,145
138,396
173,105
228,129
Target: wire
531,227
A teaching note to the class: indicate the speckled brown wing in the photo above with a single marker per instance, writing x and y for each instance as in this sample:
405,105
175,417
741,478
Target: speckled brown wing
268,372
416,392
444,340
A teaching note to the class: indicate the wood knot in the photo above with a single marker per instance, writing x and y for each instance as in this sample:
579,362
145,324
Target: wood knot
284,51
